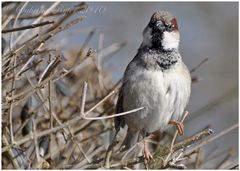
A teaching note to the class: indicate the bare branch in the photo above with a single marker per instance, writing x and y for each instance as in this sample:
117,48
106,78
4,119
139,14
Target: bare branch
195,68
28,27
222,133
192,139
84,92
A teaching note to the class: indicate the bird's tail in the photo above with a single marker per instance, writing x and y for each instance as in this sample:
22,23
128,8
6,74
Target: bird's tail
130,140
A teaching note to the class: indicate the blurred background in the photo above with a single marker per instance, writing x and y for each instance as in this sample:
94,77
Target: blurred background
207,30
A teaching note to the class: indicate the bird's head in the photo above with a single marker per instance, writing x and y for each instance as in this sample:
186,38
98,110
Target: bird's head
161,32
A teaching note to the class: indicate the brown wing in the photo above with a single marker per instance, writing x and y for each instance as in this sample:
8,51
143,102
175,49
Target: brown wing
119,121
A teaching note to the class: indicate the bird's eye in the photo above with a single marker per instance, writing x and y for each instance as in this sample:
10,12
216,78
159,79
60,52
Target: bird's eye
169,27
159,23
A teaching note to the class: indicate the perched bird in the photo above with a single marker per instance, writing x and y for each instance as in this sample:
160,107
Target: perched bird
156,79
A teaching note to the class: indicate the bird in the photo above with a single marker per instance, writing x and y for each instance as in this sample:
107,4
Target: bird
157,80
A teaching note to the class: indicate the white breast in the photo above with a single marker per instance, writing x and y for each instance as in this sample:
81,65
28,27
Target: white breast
163,94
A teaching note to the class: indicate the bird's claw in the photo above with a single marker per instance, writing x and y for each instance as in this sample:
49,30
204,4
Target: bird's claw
147,154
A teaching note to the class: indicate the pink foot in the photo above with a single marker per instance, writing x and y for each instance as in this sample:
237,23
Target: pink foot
147,154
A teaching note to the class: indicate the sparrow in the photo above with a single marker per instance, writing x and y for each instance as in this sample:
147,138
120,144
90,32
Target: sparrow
156,79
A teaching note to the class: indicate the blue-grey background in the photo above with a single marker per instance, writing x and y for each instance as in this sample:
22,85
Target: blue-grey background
208,30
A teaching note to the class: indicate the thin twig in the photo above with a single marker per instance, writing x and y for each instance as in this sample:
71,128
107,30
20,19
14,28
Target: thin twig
95,135
196,67
173,140
49,99
98,64
49,69
109,153
86,41
88,123
99,103
226,159
112,49
5,23
35,139
222,133
192,139
82,151
11,103
28,27
114,115
28,68
79,165
84,92
197,161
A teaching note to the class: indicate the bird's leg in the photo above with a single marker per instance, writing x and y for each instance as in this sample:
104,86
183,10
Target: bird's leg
147,153
179,126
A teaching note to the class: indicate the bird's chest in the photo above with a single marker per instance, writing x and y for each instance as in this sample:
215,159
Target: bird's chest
157,91
148,87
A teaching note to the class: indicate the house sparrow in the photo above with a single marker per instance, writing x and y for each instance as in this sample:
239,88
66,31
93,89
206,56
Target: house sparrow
156,79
